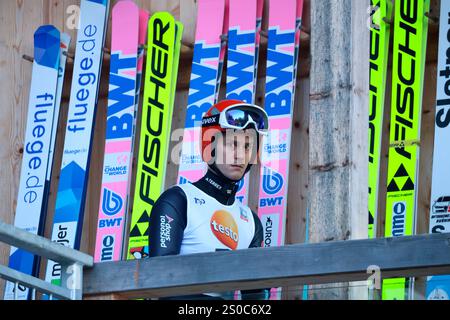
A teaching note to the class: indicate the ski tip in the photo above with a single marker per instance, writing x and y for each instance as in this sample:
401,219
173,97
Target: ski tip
180,29
125,5
144,14
162,15
46,46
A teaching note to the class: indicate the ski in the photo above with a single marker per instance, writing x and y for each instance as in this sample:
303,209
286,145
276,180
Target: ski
279,98
438,287
71,195
120,121
41,107
242,62
409,50
64,48
379,53
203,83
159,87
177,51
223,48
144,17
259,17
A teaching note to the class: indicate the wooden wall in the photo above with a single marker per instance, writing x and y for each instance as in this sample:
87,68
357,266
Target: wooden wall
20,18
18,21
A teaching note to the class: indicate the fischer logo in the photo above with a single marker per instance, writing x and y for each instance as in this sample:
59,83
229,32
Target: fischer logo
272,184
407,56
153,107
240,71
225,229
107,248
270,224
398,218
165,228
112,202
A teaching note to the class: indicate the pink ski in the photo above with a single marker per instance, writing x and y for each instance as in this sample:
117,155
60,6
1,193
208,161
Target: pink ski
119,132
203,85
242,61
282,53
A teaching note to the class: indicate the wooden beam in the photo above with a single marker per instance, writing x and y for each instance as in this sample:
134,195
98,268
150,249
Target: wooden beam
331,262
338,125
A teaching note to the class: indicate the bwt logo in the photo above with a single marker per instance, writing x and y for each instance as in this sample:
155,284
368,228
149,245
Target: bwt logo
240,64
398,219
272,181
112,202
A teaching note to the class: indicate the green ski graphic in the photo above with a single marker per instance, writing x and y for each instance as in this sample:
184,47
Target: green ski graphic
379,46
164,35
410,36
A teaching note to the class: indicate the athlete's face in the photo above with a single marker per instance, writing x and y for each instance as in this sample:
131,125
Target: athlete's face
234,152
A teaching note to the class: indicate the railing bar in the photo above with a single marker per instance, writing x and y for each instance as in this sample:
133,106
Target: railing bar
16,288
41,246
33,282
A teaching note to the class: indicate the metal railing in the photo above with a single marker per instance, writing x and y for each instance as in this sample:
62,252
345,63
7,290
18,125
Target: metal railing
72,264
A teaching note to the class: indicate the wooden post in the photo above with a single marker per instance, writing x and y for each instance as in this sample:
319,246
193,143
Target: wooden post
338,127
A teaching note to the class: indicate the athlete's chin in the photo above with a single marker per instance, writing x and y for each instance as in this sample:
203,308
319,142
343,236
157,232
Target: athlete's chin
235,172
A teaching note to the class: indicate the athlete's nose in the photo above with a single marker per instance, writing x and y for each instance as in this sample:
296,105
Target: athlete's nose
239,151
